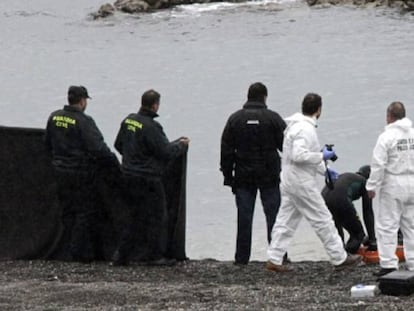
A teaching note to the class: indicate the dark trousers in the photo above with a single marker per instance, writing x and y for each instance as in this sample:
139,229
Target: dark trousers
245,201
346,217
144,231
76,195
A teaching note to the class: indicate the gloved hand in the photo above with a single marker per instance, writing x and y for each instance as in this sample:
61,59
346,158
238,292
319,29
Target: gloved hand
333,175
327,154
229,181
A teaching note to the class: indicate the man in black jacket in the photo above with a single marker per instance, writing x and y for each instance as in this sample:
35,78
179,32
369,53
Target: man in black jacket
250,161
78,151
145,152
348,188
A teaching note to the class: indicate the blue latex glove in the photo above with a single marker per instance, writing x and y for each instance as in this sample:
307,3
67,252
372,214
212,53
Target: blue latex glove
332,173
327,154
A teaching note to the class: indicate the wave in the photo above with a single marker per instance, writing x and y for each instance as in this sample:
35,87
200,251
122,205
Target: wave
24,13
200,8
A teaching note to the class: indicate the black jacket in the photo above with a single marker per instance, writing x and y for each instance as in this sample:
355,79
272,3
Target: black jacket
350,187
249,146
75,141
144,146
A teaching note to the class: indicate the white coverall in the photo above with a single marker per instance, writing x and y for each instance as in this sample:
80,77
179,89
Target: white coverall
301,162
392,175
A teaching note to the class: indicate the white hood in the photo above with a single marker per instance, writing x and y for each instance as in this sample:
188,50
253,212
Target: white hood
403,124
298,117
294,118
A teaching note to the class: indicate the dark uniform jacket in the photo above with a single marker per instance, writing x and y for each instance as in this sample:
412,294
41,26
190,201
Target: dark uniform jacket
350,187
249,146
75,141
144,146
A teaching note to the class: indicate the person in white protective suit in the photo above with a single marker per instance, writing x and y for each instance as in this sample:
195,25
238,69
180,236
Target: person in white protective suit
392,175
302,161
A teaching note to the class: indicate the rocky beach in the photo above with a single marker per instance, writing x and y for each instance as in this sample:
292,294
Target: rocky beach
191,285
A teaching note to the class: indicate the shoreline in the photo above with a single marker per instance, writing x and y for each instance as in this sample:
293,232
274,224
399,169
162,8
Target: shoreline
149,6
205,284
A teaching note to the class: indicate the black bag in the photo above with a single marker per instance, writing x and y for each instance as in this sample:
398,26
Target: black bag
397,283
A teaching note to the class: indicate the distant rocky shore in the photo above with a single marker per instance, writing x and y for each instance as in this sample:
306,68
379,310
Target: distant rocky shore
141,6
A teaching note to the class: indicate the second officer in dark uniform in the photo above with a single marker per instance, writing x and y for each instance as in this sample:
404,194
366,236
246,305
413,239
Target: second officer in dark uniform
78,151
145,152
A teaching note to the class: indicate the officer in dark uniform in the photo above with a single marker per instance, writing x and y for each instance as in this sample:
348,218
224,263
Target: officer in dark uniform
78,151
347,188
145,152
250,162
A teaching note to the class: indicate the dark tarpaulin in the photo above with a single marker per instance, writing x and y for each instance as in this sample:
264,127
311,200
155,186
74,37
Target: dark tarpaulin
30,225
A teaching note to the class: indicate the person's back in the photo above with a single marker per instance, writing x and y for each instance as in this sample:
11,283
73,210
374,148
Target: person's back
68,148
348,186
257,135
73,137
302,158
393,156
398,138
144,146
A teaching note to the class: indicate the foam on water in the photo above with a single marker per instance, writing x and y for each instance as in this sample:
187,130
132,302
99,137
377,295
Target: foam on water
198,9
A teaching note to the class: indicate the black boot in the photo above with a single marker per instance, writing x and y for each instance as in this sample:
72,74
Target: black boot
353,244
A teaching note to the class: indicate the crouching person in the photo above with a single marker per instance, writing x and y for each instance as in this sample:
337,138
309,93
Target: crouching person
145,152
348,188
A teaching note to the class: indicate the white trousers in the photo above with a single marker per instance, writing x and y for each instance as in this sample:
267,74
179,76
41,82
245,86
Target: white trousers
304,201
395,211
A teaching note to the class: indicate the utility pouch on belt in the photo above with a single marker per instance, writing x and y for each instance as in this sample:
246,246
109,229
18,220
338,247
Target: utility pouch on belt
397,283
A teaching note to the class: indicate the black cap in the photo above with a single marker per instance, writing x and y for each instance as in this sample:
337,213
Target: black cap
78,92
364,171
